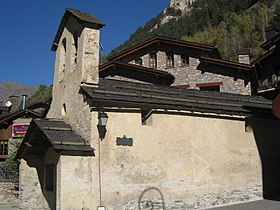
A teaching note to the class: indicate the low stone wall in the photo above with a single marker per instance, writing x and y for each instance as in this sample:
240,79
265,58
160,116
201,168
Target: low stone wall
8,193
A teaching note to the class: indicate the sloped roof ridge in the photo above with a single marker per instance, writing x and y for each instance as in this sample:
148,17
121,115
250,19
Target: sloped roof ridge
84,16
158,38
88,19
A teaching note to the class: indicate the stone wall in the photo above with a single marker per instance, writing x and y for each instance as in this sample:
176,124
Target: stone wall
9,193
75,65
30,185
192,76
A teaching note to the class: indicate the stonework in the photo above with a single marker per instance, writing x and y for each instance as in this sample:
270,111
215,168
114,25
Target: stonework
191,75
178,159
80,65
30,192
8,193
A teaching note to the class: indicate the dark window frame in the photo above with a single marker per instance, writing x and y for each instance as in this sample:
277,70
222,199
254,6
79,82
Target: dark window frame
153,60
210,86
169,60
185,60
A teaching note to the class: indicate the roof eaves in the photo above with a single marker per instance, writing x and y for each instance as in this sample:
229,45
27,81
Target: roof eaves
85,18
235,65
269,43
160,39
150,96
115,65
264,56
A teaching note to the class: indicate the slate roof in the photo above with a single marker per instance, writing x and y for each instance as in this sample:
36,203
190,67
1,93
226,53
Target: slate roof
136,72
84,18
160,40
7,119
113,93
45,133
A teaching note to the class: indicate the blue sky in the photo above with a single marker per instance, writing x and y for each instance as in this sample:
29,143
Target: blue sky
29,26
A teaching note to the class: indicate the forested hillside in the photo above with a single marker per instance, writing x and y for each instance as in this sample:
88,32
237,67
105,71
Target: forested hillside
233,26
43,94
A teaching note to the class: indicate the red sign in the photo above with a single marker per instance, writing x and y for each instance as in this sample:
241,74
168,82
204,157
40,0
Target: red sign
19,130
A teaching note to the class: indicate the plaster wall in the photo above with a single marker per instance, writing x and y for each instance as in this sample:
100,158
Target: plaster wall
77,60
30,191
77,183
184,162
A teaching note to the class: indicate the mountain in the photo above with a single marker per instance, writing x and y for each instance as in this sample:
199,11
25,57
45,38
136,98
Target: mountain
233,26
9,88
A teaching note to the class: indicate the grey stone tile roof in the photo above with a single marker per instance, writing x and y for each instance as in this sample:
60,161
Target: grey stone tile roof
8,118
53,133
84,18
128,94
136,72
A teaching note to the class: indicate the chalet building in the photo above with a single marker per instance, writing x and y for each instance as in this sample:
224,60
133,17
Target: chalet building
267,69
14,122
117,136
194,65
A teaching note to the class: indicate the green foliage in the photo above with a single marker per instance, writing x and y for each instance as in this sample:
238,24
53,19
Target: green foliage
204,15
275,20
10,162
43,94
238,33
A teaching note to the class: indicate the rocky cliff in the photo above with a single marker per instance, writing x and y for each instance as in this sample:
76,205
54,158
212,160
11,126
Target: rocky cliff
183,5
175,9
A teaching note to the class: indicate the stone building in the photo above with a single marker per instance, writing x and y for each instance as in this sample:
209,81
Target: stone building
163,147
194,65
266,75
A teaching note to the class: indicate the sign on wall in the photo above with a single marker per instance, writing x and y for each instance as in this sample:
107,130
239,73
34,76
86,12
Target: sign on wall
19,130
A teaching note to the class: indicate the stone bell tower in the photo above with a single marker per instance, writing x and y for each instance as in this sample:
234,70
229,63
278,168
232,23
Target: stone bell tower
77,59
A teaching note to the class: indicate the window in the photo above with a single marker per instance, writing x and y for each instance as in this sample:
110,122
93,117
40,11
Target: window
153,60
139,61
49,177
212,86
169,59
185,60
4,147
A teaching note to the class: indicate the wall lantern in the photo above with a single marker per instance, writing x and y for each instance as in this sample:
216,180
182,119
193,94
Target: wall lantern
102,122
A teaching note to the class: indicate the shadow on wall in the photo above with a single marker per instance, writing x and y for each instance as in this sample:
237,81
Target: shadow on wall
267,136
47,179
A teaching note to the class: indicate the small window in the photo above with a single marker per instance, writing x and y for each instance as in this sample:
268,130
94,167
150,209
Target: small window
169,59
49,177
4,147
153,60
185,60
139,61
212,86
